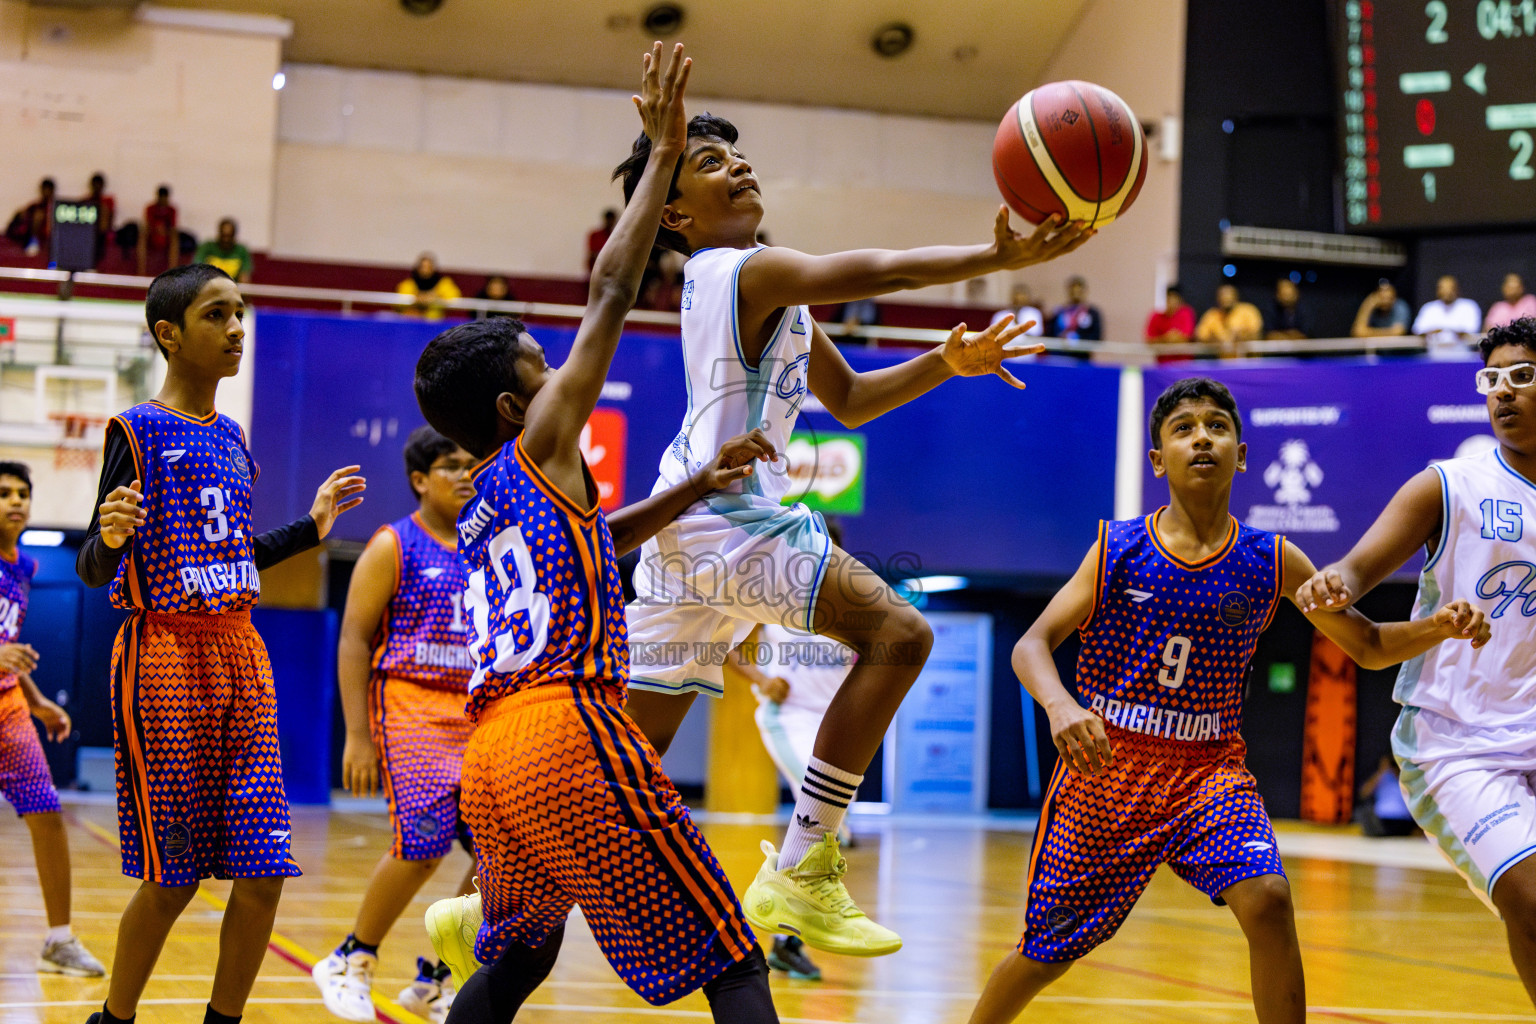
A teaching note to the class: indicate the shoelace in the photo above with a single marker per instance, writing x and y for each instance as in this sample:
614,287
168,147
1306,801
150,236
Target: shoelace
828,887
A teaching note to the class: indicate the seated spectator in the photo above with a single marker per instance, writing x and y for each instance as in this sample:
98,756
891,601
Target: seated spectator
1382,810
430,288
226,253
1287,320
1448,321
1382,314
106,215
1174,324
1230,322
495,289
1516,303
31,225
1077,320
1023,310
858,313
159,240
598,238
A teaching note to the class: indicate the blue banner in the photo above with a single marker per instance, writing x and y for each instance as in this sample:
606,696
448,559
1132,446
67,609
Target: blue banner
976,478
1329,443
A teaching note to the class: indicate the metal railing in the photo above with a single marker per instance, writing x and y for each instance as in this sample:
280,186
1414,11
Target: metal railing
1117,353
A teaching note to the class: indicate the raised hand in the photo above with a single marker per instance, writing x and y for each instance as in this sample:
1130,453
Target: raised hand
336,496
1046,242
976,355
120,515
661,97
1325,591
17,659
1080,738
1461,620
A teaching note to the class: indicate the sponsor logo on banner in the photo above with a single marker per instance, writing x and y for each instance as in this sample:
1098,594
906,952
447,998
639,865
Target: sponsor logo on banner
602,445
1292,477
826,471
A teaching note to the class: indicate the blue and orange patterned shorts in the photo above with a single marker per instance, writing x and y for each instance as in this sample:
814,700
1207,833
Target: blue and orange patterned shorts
24,777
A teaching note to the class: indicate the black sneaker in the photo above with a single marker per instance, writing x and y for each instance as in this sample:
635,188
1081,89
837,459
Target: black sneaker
788,955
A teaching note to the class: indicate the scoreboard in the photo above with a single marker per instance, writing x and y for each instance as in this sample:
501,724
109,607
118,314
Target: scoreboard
1437,113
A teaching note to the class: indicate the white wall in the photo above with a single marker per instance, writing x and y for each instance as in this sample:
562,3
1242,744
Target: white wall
93,90
1136,50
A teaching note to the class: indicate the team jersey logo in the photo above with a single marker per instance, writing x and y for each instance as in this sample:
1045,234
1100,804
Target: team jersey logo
1235,608
1138,596
178,840
1495,585
174,455
433,572
238,460
1061,920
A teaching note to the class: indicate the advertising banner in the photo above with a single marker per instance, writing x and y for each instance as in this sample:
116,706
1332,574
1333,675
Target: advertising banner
1329,443
826,471
938,761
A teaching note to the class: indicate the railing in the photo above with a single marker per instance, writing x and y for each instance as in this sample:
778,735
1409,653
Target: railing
1117,353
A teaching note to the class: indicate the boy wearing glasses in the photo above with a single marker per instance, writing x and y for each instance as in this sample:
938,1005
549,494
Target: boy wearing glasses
403,666
1466,737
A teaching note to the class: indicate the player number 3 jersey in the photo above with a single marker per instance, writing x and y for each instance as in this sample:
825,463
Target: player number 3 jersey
195,553
546,606
1167,645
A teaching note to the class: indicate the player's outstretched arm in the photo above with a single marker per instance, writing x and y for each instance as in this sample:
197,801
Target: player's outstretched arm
856,398
635,524
777,277
1410,521
374,581
1077,732
1383,645
562,407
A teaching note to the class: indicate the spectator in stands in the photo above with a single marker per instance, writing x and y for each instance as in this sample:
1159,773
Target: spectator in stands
858,313
430,287
106,215
1515,304
1175,323
1023,309
1382,314
1230,322
30,226
1448,321
226,252
1287,320
495,289
159,240
598,238
1077,320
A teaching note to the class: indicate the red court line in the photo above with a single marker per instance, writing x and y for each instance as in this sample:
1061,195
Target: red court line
384,1009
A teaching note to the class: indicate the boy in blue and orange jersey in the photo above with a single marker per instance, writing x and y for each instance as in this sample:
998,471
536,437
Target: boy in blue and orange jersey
1170,608
566,799
24,777
199,778
403,665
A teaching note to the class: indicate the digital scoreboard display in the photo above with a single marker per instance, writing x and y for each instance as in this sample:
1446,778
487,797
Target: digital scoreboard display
1437,113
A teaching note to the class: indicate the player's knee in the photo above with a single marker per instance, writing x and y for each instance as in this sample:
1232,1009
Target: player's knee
265,891
1515,896
423,868
1266,903
172,899
46,822
902,629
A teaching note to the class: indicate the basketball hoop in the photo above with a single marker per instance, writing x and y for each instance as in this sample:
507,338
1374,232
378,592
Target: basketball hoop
80,439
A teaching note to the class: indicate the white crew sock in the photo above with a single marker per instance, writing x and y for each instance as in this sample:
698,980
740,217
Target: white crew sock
820,808
59,934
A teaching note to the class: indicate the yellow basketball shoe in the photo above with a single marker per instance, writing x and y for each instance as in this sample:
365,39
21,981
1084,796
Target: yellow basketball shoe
452,925
810,901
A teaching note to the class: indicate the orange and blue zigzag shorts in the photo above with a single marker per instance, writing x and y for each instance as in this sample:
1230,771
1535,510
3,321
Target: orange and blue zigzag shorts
421,733
569,806
24,777
199,777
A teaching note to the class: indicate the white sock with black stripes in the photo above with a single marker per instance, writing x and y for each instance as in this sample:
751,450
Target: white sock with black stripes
825,793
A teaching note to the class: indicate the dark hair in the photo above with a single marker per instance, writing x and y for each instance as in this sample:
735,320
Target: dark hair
1191,389
700,126
173,292
1174,289
98,180
423,448
163,192
46,183
233,224
19,470
1520,332
460,375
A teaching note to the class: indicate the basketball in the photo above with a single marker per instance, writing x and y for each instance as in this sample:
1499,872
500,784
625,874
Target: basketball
1070,148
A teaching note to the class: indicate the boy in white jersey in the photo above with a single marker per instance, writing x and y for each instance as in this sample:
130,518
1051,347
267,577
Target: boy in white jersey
740,558
1466,737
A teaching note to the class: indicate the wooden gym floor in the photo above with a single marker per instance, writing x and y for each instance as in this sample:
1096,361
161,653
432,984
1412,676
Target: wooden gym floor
1389,935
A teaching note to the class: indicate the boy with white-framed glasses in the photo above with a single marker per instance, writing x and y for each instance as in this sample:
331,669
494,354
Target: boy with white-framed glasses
1466,737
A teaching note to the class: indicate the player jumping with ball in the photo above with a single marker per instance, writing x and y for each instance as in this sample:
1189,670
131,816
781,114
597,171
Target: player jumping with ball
740,557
